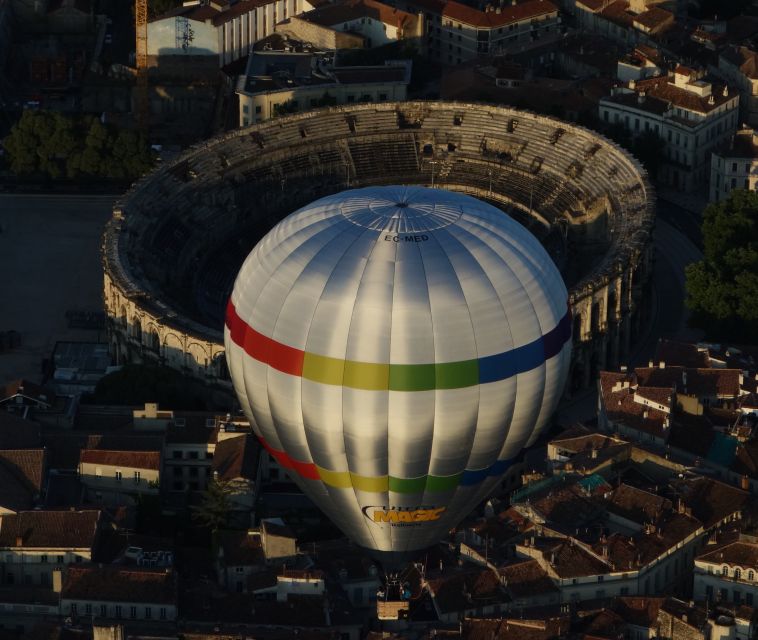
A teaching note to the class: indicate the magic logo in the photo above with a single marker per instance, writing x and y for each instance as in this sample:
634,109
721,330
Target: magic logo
403,515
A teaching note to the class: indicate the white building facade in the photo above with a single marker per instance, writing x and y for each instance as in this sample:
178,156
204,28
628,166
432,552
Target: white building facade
735,165
691,117
223,31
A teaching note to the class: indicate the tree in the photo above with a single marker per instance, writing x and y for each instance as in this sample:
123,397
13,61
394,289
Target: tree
723,286
136,384
215,505
50,144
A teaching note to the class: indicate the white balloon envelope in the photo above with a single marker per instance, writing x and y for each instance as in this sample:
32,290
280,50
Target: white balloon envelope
395,348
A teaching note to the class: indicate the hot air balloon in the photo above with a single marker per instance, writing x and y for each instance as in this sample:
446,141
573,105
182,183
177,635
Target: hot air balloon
394,349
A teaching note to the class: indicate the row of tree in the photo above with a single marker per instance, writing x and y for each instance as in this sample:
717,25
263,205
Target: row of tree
48,144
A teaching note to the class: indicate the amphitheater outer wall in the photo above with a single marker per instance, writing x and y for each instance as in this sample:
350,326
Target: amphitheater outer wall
562,176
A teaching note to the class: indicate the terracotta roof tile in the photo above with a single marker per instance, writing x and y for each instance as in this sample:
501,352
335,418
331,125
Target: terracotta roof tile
526,579
236,458
115,584
241,548
508,14
640,611
132,459
681,354
28,464
654,18
467,589
54,529
636,505
737,553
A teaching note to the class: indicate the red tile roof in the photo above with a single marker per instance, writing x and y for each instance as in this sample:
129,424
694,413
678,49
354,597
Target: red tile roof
508,14
133,459
336,14
525,579
681,354
236,458
28,463
654,18
739,553
50,529
114,584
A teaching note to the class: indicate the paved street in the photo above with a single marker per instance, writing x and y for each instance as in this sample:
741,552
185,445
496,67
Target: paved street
50,261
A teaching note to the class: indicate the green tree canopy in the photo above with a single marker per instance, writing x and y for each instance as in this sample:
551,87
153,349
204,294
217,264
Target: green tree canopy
215,505
136,384
44,143
722,288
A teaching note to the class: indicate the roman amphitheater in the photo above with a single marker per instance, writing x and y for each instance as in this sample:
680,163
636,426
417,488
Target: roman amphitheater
178,237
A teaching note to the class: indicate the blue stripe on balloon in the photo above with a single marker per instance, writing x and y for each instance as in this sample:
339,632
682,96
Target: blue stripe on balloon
471,477
502,366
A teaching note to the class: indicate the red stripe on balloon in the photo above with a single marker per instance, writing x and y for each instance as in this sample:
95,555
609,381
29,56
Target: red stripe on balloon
305,469
262,348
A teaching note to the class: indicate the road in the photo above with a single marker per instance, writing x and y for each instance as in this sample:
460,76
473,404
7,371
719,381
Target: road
50,263
674,250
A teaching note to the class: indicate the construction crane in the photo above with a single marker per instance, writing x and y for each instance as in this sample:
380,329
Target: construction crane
142,97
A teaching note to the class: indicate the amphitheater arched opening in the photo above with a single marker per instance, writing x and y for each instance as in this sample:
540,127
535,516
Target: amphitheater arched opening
137,330
197,218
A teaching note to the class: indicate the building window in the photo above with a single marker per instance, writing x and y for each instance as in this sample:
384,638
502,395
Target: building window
747,168
136,477
148,613
258,109
118,610
751,575
724,570
103,610
132,612
163,613
193,472
88,609
245,108
118,476
177,455
734,167
193,455
73,608
749,599
737,574
61,559
43,559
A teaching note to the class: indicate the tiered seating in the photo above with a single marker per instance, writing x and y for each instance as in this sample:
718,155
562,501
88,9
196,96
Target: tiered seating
384,157
249,179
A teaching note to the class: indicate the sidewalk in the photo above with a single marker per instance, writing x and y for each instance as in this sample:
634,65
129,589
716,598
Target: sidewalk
692,202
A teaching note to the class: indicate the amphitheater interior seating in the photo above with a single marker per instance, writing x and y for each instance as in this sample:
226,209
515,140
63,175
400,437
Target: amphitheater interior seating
256,176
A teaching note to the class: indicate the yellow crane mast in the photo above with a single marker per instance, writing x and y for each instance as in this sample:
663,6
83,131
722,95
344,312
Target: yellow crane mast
142,98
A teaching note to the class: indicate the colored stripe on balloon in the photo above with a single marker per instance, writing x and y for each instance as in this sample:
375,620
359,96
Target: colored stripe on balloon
382,484
396,377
